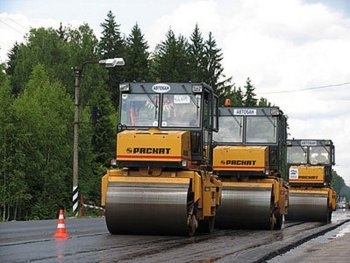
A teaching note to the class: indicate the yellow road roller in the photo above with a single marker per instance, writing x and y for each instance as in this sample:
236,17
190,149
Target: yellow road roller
162,180
249,157
310,173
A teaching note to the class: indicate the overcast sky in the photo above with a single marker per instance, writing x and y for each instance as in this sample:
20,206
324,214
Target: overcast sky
296,52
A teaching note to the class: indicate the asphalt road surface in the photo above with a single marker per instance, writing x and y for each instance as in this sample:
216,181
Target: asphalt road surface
89,241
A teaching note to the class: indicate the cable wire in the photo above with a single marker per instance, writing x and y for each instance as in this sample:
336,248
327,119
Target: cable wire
310,88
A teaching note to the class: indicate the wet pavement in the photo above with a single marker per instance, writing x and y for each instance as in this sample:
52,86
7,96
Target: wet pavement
331,247
32,241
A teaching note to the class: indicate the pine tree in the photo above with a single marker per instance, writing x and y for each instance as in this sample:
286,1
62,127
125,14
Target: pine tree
196,51
237,97
61,31
249,96
103,136
171,60
214,69
264,103
102,144
112,45
12,58
137,56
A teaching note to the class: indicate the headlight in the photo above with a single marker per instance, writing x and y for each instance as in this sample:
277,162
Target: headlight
197,88
113,162
124,87
275,111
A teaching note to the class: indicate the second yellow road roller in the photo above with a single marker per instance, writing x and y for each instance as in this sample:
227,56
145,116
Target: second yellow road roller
250,159
162,182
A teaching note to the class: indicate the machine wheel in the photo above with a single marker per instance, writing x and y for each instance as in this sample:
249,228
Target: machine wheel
109,223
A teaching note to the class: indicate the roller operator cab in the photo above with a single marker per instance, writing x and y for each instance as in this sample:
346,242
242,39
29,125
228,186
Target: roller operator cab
310,173
250,159
163,183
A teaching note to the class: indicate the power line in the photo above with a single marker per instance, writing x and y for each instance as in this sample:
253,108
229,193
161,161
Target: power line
20,25
12,27
310,88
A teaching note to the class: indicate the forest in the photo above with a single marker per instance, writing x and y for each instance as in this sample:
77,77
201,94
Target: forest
37,107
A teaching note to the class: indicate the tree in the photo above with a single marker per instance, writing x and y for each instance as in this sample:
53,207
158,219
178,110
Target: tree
112,45
137,56
171,60
10,65
339,186
249,96
44,112
237,97
58,51
196,51
62,32
43,47
102,145
14,189
214,70
263,102
103,140
82,46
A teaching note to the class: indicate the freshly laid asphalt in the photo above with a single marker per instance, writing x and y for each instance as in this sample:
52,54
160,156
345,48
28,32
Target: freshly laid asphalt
333,247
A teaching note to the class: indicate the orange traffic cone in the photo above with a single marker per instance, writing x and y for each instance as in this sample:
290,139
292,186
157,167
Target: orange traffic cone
61,228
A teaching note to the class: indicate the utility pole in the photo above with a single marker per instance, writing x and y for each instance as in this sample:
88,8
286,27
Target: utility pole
78,72
77,76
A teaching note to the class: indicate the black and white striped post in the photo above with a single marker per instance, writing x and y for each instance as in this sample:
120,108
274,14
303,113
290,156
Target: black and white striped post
78,71
75,200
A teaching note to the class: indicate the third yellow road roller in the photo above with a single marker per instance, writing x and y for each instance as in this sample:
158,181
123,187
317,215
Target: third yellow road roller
310,173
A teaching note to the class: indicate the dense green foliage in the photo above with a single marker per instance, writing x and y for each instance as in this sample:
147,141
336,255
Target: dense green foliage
37,106
339,186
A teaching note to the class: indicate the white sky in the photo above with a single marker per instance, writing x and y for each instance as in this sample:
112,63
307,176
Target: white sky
287,48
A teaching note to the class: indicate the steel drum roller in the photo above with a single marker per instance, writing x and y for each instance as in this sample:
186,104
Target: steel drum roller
143,208
244,207
307,207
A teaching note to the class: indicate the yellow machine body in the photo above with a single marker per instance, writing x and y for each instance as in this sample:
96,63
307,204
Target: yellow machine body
306,174
153,145
138,187
162,146
311,199
206,189
251,197
241,158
